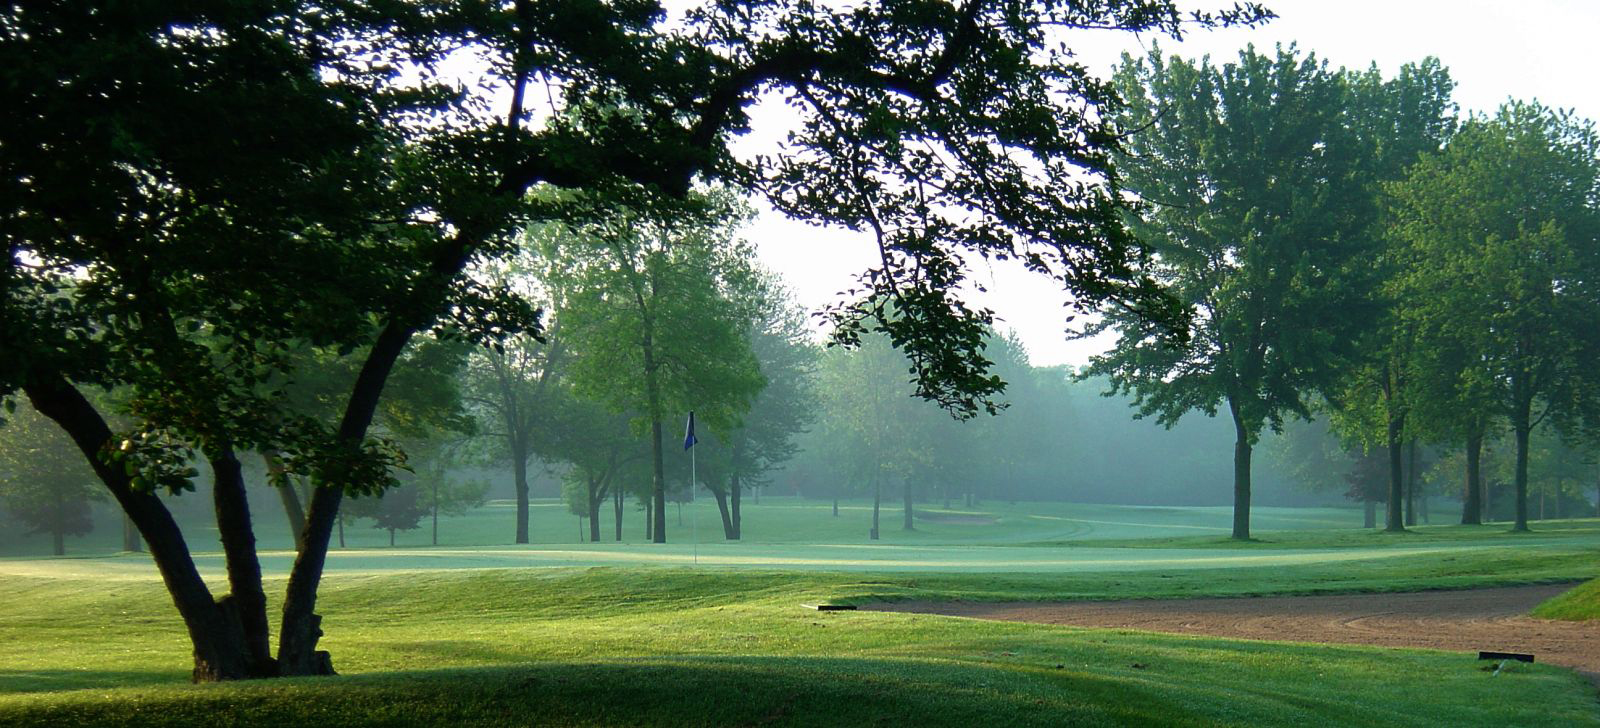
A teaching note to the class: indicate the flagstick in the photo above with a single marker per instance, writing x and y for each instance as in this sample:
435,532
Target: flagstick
694,513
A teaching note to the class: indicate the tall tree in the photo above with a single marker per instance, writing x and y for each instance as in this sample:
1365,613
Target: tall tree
1503,224
1248,174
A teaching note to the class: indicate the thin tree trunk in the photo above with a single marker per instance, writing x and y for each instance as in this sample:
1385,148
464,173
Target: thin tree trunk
1369,513
291,499
1411,482
910,524
595,496
877,501
1394,516
519,469
435,510
341,533
1523,430
649,517
734,490
130,536
616,509
658,491
836,504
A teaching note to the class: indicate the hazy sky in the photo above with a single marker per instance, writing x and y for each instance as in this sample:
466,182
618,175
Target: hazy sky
1525,49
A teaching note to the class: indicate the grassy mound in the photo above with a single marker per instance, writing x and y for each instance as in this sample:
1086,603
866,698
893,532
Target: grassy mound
1580,603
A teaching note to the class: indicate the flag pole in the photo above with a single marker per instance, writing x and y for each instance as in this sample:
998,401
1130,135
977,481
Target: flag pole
689,441
694,513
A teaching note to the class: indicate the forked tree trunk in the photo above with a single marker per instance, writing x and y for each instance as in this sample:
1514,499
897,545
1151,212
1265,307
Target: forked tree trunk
214,630
239,551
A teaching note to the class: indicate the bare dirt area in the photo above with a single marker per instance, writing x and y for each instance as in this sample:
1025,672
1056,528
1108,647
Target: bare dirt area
1470,619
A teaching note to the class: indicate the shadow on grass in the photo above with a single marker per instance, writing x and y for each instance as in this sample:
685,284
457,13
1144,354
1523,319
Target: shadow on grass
57,680
667,691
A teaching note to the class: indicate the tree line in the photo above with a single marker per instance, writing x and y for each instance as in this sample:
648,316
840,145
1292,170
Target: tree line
1346,245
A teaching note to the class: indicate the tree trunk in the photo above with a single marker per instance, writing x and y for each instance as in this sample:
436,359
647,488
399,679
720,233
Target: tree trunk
835,505
391,538
435,510
616,509
219,650
877,501
341,533
1523,430
519,469
1241,479
1369,513
239,550
649,517
721,497
291,500
1411,482
58,539
302,626
1394,516
594,512
734,490
910,523
130,536
658,533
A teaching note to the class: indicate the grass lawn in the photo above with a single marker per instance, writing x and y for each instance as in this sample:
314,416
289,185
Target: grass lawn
514,635
1580,604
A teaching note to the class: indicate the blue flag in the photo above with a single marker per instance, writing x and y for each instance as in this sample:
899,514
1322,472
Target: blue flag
688,435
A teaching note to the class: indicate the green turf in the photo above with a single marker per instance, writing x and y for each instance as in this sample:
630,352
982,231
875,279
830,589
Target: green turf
1581,603
680,647
636,634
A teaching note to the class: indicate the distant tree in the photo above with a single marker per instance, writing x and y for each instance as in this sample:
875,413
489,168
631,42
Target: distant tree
764,438
1252,197
1503,225
396,509
654,315
43,480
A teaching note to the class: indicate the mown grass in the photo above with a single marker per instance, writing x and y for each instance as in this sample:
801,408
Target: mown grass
670,646
1581,603
420,640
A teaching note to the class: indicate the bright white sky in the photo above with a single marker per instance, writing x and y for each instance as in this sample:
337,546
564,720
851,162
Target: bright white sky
1495,49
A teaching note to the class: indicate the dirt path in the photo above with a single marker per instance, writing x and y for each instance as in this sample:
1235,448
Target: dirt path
1472,619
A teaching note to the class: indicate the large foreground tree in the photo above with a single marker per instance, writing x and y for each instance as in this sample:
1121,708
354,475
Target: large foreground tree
189,190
